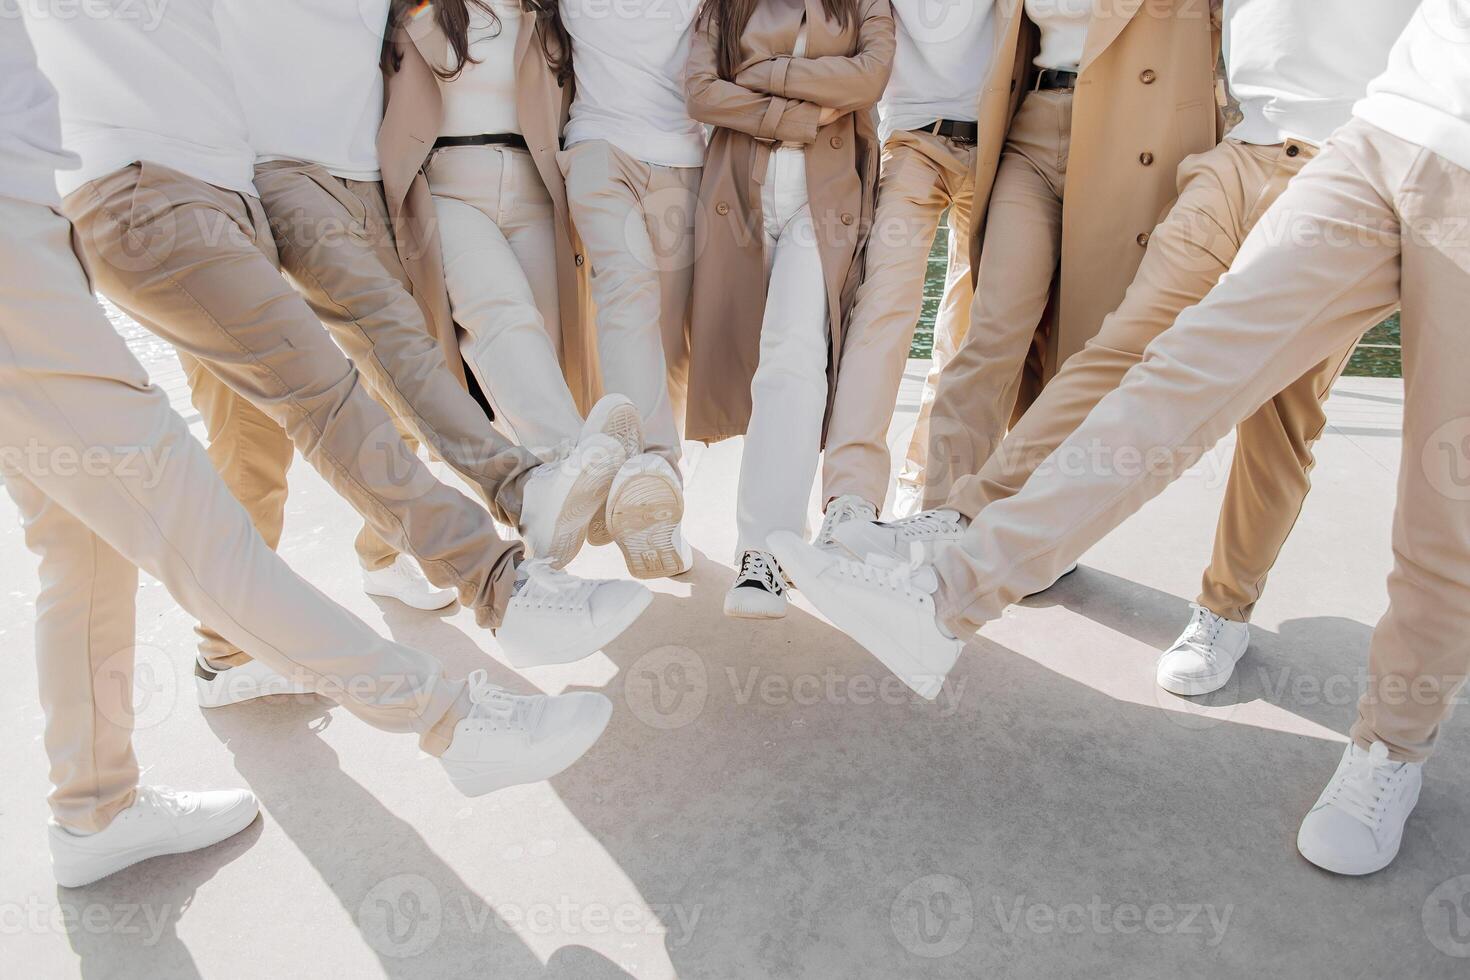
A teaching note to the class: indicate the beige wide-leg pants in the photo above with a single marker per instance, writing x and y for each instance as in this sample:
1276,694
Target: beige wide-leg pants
1222,195
108,480
636,221
198,264
1372,222
922,175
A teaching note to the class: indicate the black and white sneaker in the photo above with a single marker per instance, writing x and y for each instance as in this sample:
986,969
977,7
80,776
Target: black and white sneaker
760,589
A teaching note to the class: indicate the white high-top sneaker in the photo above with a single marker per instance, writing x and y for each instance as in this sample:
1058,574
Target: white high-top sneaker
840,511
1203,658
613,415
1357,824
644,509
218,687
895,539
885,606
160,821
759,591
404,580
556,618
508,739
562,496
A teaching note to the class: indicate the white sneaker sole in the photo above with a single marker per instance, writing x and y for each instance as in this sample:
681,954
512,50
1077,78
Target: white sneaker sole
1340,864
644,520
623,423
75,874
754,603
584,501
222,696
541,656
1191,686
480,779
423,603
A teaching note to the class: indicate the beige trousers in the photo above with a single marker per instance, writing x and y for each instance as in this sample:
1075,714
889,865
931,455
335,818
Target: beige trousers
198,265
1372,222
976,394
1222,195
108,480
922,176
637,225
497,229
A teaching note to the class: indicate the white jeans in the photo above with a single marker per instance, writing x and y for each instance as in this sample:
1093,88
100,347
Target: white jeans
497,228
789,389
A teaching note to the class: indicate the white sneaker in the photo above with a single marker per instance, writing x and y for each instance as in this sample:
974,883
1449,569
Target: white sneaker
885,606
644,508
218,687
895,540
508,739
1203,658
1358,823
616,416
404,580
160,821
562,496
841,510
556,618
759,591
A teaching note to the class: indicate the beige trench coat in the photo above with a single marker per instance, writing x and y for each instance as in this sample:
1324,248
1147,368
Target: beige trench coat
411,121
1145,100
775,98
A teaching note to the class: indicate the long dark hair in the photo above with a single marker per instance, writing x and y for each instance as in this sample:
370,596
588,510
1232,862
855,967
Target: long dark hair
728,19
453,17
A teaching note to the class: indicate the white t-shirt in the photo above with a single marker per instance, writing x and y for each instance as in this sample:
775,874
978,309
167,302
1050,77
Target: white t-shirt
629,58
30,129
1424,96
143,82
1297,66
483,98
307,74
944,53
1063,25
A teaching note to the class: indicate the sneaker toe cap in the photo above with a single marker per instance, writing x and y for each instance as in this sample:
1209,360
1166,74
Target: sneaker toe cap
1333,840
580,716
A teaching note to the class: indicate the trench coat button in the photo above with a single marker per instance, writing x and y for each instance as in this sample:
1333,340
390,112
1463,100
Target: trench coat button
1143,239
1293,150
1146,158
722,209
836,142
847,219
1148,76
581,259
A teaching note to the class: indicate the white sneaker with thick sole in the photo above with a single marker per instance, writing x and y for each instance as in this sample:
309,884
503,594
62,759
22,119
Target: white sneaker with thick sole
840,511
644,508
885,606
508,739
895,540
218,688
1357,824
613,415
556,618
760,589
160,821
562,496
404,580
1203,658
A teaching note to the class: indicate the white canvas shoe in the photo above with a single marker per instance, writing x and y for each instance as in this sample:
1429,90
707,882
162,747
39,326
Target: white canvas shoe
885,606
217,688
1357,824
644,509
404,580
760,589
160,821
1203,658
557,618
508,739
562,496
613,415
840,511
895,540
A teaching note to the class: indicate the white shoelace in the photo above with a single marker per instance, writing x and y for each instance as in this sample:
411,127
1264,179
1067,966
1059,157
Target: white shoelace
887,573
1363,787
757,566
1203,631
842,510
496,707
547,588
929,524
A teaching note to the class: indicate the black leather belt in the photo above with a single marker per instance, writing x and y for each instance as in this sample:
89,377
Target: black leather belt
1056,78
485,139
960,132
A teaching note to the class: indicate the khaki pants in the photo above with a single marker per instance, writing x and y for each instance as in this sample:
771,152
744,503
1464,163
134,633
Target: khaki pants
1372,222
108,480
977,391
198,265
636,220
1222,195
497,227
922,175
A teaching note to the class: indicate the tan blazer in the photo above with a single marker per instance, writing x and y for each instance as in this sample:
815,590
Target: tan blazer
773,98
1145,100
411,122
